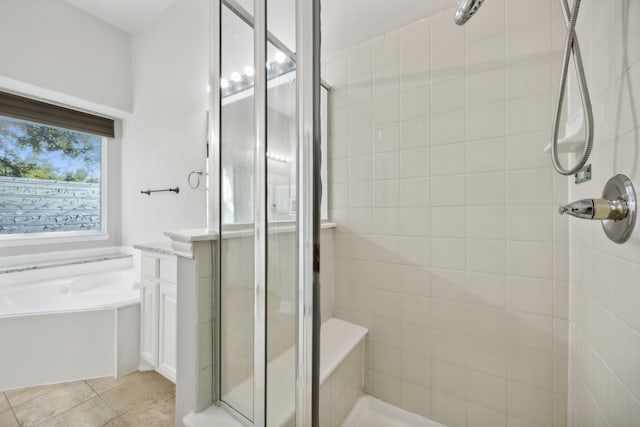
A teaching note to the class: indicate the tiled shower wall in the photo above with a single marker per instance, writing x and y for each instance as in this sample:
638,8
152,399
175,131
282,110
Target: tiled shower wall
448,245
605,277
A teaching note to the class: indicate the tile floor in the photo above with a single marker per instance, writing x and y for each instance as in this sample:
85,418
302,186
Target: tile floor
138,399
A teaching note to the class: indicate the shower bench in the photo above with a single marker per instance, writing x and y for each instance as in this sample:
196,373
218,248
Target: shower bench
341,379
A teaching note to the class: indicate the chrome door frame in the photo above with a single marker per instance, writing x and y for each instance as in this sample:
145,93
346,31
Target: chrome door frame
308,213
308,320
260,215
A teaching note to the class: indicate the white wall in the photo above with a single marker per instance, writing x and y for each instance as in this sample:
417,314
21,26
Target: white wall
55,52
449,247
56,47
605,277
166,138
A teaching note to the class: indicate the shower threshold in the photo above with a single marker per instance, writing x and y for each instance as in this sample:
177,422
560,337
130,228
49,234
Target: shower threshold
372,412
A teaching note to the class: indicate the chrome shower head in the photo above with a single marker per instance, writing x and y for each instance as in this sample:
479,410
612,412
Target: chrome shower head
465,10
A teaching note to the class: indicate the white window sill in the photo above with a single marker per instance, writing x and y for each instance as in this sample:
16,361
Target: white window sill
7,241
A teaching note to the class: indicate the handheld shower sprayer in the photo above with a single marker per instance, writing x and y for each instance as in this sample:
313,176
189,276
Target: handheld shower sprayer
465,10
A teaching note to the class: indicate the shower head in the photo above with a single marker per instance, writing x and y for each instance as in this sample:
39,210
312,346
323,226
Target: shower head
465,10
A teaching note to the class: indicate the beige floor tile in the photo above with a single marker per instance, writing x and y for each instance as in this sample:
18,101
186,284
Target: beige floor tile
4,403
53,403
21,395
7,419
101,385
131,394
92,413
156,412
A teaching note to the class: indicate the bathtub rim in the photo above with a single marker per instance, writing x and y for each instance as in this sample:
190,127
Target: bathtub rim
41,267
130,271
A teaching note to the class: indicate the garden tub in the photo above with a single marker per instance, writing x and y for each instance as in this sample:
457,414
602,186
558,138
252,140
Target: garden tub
69,328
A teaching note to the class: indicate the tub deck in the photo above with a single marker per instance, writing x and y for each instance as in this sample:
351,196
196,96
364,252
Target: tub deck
86,292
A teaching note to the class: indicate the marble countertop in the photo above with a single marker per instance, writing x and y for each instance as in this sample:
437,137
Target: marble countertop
158,248
192,235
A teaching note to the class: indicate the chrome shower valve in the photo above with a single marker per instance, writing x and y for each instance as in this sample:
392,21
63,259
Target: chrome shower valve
596,209
616,209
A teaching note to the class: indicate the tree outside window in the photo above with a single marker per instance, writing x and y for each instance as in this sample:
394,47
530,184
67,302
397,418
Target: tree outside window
49,178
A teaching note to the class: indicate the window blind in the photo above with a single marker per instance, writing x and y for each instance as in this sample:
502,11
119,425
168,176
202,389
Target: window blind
19,107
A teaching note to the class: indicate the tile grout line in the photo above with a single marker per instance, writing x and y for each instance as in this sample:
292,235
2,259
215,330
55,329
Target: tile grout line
92,389
99,396
68,409
113,418
133,409
95,395
15,417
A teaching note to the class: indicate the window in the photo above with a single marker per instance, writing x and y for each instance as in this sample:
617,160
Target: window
51,171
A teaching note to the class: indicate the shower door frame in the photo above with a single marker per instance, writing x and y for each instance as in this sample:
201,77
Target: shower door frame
308,187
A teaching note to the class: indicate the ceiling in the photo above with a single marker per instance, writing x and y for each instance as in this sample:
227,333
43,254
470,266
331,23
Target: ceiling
126,15
345,23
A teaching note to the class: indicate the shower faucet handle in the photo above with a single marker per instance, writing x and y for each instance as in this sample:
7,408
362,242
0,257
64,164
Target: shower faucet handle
616,209
599,209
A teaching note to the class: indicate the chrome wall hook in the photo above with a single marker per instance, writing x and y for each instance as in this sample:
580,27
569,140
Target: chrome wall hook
616,209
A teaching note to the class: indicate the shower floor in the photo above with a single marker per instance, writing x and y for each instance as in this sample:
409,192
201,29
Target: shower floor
371,412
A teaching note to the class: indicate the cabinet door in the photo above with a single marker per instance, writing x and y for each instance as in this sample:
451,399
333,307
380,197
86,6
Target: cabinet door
168,331
149,322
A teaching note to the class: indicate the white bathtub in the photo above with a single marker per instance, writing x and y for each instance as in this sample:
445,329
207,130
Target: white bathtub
68,329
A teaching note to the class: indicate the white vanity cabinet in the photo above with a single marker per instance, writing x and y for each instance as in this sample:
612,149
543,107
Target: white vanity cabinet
158,321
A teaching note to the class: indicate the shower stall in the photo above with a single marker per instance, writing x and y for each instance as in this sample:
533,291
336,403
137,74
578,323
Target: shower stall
426,253
397,192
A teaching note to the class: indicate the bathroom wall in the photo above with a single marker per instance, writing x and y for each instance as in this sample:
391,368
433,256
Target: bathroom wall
166,138
55,47
448,246
160,75
605,320
49,51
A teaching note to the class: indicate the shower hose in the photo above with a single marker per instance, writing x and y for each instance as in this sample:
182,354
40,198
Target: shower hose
572,49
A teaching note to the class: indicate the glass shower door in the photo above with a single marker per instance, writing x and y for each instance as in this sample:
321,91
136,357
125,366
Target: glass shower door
237,204
258,294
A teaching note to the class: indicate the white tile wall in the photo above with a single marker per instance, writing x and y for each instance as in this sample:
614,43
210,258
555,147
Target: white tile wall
448,247
604,387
